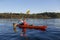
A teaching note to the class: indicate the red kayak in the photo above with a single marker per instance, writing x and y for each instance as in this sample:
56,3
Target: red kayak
43,28
25,26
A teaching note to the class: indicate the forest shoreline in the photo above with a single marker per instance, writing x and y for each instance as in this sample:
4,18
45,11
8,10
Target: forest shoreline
45,15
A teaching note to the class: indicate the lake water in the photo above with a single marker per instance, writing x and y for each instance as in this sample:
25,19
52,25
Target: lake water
51,33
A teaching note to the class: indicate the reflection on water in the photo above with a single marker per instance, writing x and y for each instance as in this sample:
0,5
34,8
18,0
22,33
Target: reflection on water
52,32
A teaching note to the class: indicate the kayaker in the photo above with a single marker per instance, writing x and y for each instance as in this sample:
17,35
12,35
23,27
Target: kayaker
21,22
24,21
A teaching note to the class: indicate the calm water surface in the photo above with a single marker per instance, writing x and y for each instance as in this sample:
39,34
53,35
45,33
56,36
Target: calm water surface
52,32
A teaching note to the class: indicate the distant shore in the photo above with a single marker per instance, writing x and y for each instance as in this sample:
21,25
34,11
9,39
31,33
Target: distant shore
37,15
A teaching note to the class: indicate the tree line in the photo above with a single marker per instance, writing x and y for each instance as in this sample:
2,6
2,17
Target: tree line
37,15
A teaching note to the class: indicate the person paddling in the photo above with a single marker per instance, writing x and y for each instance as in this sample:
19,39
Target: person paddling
23,22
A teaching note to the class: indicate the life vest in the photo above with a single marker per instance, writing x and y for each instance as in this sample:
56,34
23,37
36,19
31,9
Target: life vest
25,23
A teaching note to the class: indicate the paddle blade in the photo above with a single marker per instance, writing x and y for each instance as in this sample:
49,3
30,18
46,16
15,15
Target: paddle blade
14,27
28,11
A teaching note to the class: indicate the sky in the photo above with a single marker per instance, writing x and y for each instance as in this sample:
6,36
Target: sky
35,6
